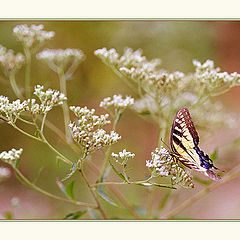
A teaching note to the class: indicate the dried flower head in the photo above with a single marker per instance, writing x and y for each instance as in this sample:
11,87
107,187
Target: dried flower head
163,164
11,157
88,132
9,61
59,59
4,173
32,35
123,157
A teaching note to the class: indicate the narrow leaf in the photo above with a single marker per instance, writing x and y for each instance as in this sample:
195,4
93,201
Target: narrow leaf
37,133
17,163
214,155
20,180
61,186
164,200
105,197
75,215
69,190
72,171
115,170
38,175
128,170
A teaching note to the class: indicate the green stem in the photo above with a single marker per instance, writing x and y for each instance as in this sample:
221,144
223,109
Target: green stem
25,133
50,194
43,122
66,160
235,172
63,89
14,85
107,153
93,194
28,72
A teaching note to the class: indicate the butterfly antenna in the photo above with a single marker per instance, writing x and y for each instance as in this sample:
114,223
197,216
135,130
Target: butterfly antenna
166,145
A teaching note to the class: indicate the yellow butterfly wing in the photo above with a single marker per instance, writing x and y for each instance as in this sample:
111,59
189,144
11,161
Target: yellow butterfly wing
184,144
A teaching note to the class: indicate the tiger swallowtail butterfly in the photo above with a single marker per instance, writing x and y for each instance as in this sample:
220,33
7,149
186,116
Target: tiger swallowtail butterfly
184,142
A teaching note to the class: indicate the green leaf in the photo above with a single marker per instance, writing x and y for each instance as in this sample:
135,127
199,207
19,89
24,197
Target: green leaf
69,190
20,180
105,197
75,215
203,182
37,133
38,175
58,161
115,170
72,171
17,163
128,170
214,155
164,200
8,215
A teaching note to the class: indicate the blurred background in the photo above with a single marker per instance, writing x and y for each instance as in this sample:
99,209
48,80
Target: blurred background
176,43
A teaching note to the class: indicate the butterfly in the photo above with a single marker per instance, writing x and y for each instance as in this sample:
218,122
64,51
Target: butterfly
184,142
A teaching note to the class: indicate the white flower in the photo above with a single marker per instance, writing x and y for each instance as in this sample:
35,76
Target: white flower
59,59
117,102
11,156
9,61
30,35
88,132
163,164
123,157
49,98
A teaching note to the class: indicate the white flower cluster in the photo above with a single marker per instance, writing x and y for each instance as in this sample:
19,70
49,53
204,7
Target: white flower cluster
129,58
32,35
212,77
12,110
48,98
163,164
9,61
138,69
4,173
88,132
123,156
11,156
60,59
117,102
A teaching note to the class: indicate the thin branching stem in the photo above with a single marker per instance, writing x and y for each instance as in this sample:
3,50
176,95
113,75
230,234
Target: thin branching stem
14,85
78,203
93,194
235,172
28,71
107,153
66,116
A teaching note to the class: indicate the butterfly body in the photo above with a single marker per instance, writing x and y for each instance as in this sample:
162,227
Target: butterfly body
184,145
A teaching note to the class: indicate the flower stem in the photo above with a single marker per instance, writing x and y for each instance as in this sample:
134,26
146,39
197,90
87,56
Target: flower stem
235,172
93,194
50,194
107,153
14,85
28,71
63,89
